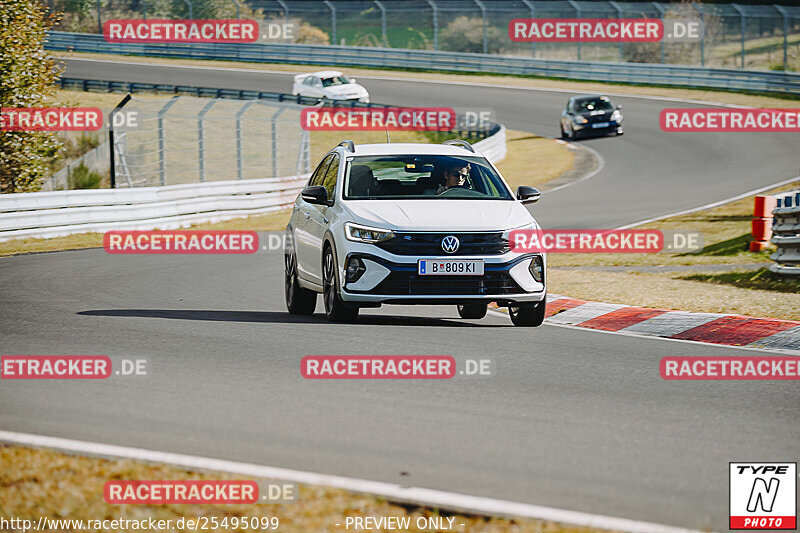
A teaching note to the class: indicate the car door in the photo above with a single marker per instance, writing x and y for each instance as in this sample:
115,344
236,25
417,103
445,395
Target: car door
304,241
319,218
314,87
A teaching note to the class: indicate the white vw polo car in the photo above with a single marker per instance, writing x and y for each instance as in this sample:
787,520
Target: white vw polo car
411,224
329,85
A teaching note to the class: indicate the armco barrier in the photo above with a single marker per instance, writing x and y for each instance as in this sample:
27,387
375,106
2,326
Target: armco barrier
640,73
58,213
493,147
786,234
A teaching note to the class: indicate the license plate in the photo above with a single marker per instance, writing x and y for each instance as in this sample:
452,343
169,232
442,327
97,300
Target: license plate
450,267
600,125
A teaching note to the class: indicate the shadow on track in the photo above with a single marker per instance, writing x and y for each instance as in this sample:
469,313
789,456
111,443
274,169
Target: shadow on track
271,316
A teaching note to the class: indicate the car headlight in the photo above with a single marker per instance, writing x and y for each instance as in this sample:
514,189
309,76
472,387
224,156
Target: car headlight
507,233
616,116
580,119
366,234
536,268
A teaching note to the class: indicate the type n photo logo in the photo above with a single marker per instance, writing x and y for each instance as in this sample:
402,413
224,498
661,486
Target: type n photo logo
763,496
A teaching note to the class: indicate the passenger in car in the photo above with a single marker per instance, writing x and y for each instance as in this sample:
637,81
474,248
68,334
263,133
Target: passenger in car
362,181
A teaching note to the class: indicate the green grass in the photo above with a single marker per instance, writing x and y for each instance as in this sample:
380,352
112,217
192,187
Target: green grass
761,279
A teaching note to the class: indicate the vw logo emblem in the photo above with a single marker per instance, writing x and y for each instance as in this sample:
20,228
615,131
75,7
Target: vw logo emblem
450,244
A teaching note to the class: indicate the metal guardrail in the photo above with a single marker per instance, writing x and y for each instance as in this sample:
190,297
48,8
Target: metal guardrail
58,213
637,73
786,235
480,131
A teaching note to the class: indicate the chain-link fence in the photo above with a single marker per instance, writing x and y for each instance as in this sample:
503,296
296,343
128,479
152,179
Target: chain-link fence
736,35
188,140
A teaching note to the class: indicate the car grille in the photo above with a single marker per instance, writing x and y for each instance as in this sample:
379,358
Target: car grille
605,117
421,244
412,284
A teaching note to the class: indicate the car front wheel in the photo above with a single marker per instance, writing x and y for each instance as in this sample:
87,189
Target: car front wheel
529,314
335,308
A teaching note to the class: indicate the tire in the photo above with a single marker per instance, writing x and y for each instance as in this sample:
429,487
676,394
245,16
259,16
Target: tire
528,314
620,131
563,133
472,310
299,301
335,308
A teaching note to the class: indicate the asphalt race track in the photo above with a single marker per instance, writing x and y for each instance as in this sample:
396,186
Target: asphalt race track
574,419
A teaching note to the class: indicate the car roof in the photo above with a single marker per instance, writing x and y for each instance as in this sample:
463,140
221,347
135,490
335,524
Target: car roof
327,73
412,149
588,96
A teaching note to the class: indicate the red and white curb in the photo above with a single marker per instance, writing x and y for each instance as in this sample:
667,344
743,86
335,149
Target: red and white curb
714,328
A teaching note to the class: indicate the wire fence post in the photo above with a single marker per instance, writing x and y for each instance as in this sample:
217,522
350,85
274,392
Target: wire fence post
239,151
162,154
383,23
274,130
99,18
785,16
483,20
619,16
661,14
303,155
743,28
533,15
112,174
435,11
577,9
237,9
189,3
333,21
201,139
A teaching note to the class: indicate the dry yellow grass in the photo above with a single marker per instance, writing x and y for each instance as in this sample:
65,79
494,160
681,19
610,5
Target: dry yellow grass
669,291
38,482
726,223
577,86
533,160
725,232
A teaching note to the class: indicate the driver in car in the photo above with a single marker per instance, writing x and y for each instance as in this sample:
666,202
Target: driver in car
453,175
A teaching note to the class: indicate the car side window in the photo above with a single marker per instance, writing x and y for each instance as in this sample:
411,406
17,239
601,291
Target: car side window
329,181
319,174
309,80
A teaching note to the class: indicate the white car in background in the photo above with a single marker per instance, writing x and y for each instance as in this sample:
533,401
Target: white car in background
329,85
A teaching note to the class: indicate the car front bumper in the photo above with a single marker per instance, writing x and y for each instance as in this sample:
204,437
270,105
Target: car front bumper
394,279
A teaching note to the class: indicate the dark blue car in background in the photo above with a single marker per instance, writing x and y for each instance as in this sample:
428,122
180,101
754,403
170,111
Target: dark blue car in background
591,115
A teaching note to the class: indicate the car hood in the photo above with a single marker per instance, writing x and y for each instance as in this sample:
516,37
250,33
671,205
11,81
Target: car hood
349,89
440,215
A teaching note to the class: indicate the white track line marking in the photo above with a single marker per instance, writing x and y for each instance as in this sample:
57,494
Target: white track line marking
601,162
713,204
437,498
420,80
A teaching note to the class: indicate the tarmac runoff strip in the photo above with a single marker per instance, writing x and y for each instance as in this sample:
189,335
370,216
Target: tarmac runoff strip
712,328
398,493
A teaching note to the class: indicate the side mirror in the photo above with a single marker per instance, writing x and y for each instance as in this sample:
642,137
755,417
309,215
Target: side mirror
316,194
528,195
352,80
619,106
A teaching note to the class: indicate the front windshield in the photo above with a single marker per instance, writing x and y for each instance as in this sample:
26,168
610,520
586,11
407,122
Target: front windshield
594,104
335,80
402,177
